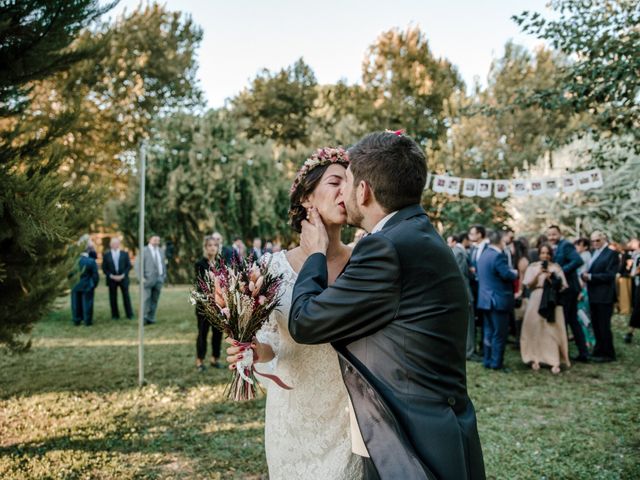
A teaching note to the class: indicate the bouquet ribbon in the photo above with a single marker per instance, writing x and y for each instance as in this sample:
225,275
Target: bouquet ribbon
245,366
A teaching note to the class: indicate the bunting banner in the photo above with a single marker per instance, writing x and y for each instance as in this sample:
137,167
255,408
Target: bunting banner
518,187
484,188
470,187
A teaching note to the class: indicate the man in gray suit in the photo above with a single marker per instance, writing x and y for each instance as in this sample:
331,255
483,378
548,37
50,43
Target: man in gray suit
464,263
155,272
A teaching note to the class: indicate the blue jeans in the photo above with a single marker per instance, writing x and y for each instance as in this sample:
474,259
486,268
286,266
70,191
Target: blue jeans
496,329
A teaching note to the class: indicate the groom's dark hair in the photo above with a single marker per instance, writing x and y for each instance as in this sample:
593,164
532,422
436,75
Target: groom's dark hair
393,165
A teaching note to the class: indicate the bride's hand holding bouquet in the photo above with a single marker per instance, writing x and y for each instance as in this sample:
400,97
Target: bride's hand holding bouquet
237,300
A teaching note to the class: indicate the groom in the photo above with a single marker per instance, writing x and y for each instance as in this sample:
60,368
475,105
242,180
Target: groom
397,317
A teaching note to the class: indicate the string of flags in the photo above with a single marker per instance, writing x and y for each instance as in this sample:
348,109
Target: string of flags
518,187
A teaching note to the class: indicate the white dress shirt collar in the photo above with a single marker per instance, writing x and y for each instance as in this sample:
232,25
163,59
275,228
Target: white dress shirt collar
380,225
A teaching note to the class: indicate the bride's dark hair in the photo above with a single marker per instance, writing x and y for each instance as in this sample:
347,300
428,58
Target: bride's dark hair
306,186
308,178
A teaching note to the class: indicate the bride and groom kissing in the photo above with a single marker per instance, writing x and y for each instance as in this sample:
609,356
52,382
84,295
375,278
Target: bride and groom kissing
371,340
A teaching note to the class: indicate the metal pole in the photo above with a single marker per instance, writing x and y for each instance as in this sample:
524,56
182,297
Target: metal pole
141,268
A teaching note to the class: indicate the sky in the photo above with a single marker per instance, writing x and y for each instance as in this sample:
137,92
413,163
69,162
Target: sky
242,37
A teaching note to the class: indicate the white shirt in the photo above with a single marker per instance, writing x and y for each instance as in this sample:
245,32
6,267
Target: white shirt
596,254
115,254
480,248
380,225
155,251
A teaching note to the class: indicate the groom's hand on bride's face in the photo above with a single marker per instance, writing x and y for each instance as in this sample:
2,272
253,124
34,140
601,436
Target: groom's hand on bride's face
314,238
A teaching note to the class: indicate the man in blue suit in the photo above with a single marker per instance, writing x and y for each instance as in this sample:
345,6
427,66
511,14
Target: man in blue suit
495,299
601,286
566,255
82,292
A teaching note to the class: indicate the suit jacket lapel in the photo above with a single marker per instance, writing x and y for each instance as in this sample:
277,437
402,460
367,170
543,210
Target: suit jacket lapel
597,259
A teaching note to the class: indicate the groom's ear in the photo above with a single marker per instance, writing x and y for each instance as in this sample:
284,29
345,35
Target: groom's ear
364,193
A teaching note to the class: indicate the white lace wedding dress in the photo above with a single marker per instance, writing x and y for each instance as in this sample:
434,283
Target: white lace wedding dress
307,433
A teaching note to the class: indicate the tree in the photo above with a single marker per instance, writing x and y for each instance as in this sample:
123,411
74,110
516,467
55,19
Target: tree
611,208
405,87
147,69
203,175
602,39
76,102
487,134
276,106
39,210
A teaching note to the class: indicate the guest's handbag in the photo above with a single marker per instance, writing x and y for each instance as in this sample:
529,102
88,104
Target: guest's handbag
550,298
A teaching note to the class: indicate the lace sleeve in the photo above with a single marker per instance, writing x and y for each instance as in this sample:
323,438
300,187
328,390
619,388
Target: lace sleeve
269,334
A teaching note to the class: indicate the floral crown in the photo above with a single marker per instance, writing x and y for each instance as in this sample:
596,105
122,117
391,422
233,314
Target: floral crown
322,156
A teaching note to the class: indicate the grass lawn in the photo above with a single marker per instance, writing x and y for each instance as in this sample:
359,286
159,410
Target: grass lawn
71,408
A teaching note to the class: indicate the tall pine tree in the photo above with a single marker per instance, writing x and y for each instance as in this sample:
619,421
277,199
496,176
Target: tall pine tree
39,211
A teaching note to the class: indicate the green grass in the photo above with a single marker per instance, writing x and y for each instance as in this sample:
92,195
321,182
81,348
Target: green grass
71,408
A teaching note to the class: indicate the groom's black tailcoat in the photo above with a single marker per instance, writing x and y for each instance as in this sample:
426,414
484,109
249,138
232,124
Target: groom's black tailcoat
398,318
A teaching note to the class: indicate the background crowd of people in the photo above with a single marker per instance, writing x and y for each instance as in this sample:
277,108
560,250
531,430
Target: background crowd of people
116,265
539,295
544,295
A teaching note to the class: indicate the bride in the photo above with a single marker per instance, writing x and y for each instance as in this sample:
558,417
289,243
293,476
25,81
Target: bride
307,429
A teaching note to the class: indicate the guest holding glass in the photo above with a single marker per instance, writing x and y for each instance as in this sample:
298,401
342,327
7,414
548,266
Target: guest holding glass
543,339
210,251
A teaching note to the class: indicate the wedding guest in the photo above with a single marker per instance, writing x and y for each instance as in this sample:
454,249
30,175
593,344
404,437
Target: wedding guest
495,299
521,260
224,251
268,247
238,249
210,256
463,239
623,280
508,235
584,314
256,249
533,253
277,247
82,292
582,247
543,340
462,259
566,255
600,278
478,237
634,320
93,253
154,271
508,245
116,265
